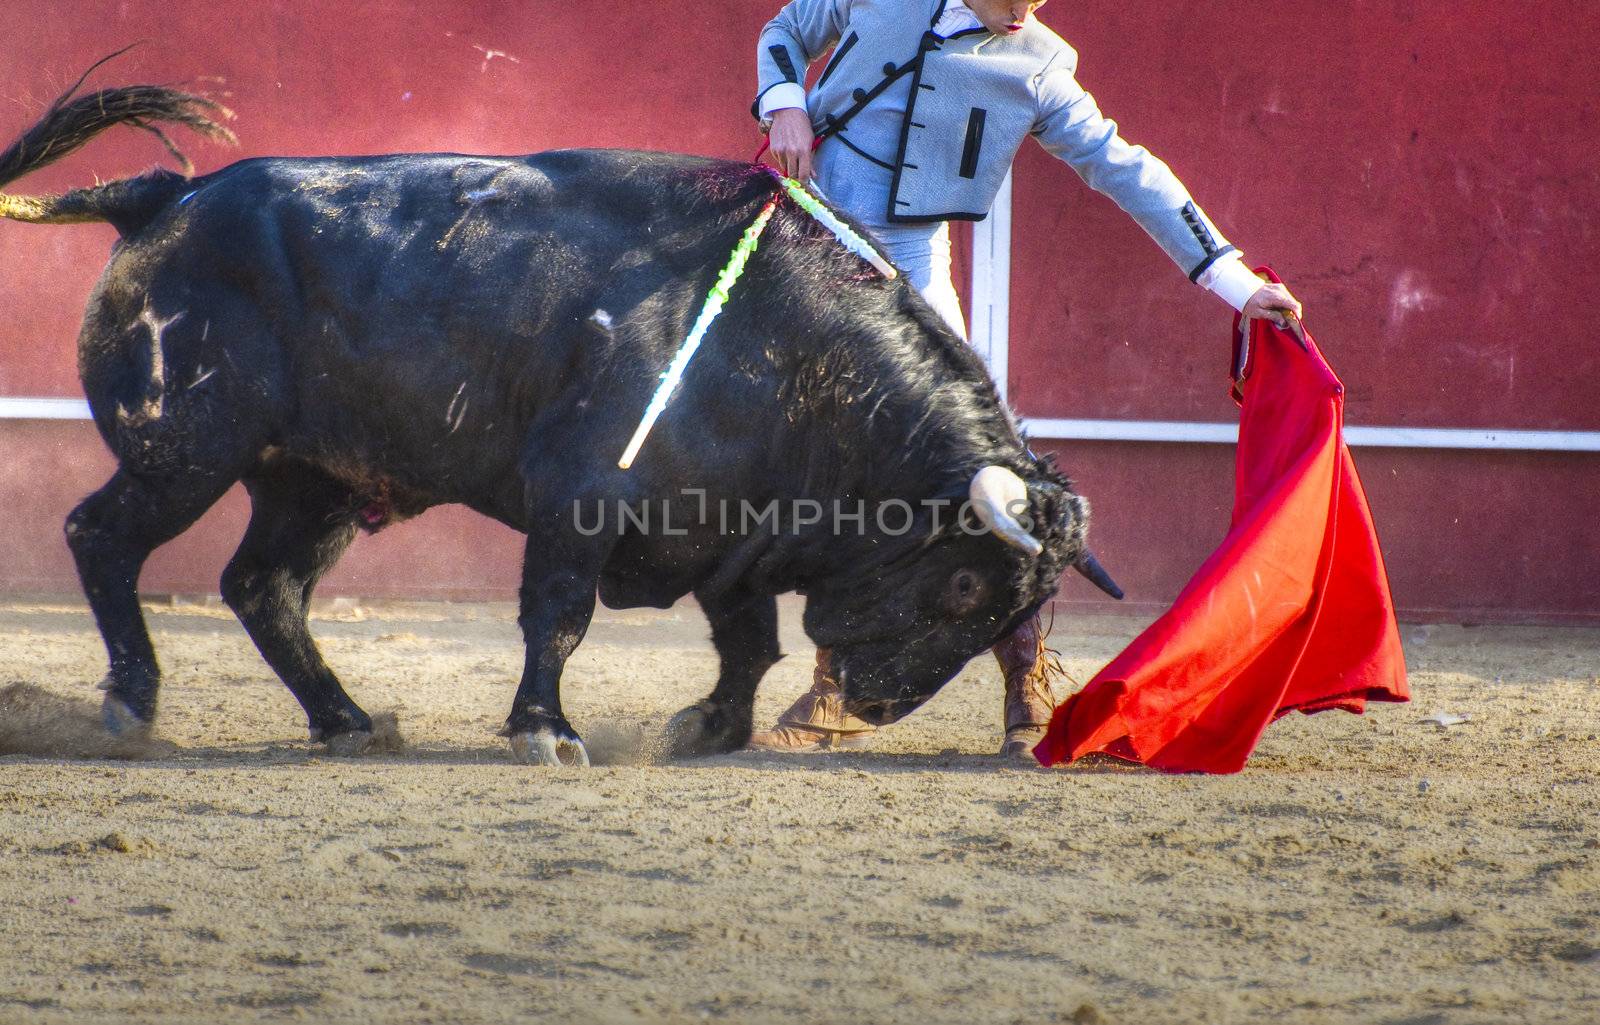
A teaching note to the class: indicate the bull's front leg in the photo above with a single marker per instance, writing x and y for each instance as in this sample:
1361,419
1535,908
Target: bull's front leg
557,602
744,629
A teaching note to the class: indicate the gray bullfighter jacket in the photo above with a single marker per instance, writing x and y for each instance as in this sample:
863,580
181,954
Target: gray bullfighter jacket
945,116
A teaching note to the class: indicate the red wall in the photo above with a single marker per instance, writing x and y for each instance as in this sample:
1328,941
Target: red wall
1421,178
1424,176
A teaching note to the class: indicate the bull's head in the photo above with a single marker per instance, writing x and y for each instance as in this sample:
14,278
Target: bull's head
901,628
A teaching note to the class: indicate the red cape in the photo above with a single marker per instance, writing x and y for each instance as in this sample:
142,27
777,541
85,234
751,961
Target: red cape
1291,613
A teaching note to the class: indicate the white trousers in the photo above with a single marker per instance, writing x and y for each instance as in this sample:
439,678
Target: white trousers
922,252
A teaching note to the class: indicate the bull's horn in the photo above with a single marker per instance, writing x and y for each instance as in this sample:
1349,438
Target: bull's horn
993,491
1090,567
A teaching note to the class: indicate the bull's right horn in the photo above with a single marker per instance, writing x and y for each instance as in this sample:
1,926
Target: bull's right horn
993,491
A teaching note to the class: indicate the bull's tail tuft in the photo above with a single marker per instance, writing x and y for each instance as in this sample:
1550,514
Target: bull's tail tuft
72,120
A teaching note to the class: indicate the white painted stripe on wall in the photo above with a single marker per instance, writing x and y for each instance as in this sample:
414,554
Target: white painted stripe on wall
43,409
1169,431
1441,437
1132,430
1373,437
991,287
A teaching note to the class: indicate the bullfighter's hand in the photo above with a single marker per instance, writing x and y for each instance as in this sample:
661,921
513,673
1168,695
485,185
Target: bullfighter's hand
790,146
1275,303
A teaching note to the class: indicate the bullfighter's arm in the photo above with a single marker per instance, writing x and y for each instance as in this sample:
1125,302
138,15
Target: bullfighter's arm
801,32
1069,125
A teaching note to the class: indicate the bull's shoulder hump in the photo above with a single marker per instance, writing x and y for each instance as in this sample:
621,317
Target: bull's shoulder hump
408,169
621,161
422,172
650,182
400,166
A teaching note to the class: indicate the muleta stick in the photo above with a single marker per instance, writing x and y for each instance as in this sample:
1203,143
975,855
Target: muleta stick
715,300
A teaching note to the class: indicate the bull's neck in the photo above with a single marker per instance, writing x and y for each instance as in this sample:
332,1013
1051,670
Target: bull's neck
881,423
898,421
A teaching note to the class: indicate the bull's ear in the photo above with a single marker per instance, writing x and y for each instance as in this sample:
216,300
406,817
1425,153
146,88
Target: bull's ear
1076,514
1045,464
1044,503
1058,513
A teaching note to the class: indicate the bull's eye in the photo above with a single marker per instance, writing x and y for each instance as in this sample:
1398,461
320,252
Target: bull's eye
965,589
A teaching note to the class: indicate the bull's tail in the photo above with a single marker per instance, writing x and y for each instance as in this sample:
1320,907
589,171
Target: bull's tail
72,121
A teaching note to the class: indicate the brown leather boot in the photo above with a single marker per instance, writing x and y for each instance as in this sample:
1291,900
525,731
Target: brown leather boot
817,721
1028,666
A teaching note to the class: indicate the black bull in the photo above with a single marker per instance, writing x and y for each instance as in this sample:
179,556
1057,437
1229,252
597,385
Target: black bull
357,340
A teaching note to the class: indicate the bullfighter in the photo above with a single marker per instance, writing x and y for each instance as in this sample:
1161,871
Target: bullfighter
914,122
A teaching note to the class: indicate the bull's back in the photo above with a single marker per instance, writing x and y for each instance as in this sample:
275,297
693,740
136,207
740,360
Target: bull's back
418,230
413,311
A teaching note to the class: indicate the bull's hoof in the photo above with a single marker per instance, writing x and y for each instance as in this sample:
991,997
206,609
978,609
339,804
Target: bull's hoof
121,721
705,729
547,747
1020,742
360,734
348,745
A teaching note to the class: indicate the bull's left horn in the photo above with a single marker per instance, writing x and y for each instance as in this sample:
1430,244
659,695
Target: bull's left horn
993,491
1096,574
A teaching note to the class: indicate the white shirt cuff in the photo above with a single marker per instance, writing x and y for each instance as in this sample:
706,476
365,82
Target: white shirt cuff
784,94
1231,280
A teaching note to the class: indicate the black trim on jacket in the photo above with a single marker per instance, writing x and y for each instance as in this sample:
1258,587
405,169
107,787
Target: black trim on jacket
1205,264
928,44
974,143
838,55
935,218
1197,226
785,63
837,122
863,154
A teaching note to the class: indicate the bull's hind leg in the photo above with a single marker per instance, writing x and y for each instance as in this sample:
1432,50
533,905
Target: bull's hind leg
744,630
301,521
111,534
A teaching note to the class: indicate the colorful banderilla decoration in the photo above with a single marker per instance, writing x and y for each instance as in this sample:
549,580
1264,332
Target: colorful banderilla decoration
718,296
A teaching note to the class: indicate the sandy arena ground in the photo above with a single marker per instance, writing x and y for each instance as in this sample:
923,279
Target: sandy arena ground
1372,869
